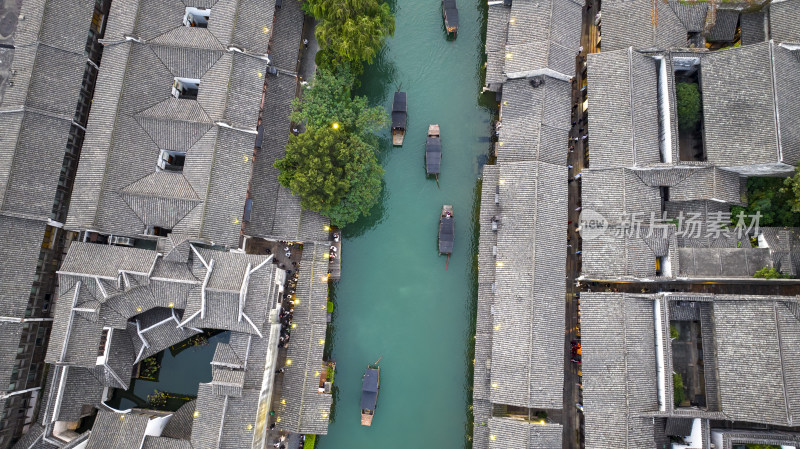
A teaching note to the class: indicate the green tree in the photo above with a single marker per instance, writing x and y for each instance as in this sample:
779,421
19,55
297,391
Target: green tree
762,446
792,189
770,273
328,100
774,198
350,32
677,389
689,104
334,171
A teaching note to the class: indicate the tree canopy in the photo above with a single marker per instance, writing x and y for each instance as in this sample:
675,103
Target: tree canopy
328,100
350,32
770,273
792,189
689,104
774,198
333,165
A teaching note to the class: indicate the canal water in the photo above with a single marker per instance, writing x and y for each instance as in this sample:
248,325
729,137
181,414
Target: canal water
395,299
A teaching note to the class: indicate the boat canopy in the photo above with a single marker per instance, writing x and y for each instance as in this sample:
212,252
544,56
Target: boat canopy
446,234
433,155
451,13
369,390
399,111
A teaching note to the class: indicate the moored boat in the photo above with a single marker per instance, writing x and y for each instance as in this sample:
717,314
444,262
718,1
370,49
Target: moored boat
399,114
450,14
446,230
433,151
370,384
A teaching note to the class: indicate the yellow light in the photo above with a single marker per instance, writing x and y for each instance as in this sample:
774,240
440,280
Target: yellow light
172,304
541,422
497,328
326,255
335,125
513,19
327,228
494,385
316,373
121,417
492,437
260,74
296,301
505,103
294,325
509,55
324,415
288,362
249,427
500,144
499,264
138,308
322,341
283,401
196,414
278,419
501,181
266,30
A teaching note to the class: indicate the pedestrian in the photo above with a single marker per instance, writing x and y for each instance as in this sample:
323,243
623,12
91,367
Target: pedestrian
569,246
570,180
578,252
305,43
577,209
569,166
584,137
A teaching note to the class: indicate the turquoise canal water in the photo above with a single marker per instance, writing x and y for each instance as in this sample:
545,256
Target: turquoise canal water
395,298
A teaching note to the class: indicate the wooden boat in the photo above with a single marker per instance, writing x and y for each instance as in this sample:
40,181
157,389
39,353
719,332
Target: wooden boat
370,384
446,230
433,151
450,14
399,114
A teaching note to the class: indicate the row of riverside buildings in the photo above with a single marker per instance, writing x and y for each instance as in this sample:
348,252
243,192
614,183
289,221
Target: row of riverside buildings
666,368
136,163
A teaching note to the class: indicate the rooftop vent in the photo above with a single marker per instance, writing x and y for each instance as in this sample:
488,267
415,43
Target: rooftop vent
196,17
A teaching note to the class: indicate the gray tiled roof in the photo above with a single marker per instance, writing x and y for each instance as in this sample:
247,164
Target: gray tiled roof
748,111
774,437
165,443
784,21
508,433
118,189
527,338
624,124
145,321
532,36
631,23
750,343
725,25
723,262
19,262
625,253
754,27
180,425
286,43
38,100
535,121
117,430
